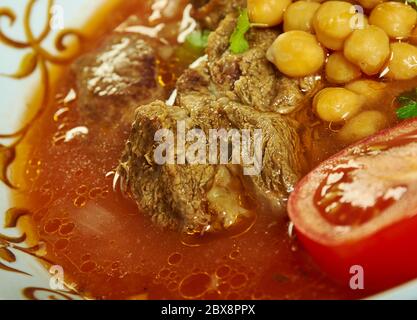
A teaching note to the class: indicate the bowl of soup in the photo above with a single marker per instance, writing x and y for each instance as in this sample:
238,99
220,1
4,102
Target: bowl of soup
216,150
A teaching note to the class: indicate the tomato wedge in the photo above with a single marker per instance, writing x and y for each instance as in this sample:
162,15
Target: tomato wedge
360,208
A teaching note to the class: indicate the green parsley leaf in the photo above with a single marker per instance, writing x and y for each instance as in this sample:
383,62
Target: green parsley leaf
408,105
238,42
408,111
197,41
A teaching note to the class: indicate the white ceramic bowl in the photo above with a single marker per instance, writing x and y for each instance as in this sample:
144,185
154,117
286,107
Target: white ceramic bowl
22,276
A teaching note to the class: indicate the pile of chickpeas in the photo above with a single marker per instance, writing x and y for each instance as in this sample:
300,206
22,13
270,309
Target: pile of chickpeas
339,39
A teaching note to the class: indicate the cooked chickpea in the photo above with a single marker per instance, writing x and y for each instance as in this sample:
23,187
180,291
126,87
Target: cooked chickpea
296,54
299,16
267,12
368,49
371,91
340,70
395,18
334,22
336,104
370,4
363,125
403,62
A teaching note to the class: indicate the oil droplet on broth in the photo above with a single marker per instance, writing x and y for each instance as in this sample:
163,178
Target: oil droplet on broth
80,201
174,258
94,193
223,271
52,226
66,229
195,285
88,266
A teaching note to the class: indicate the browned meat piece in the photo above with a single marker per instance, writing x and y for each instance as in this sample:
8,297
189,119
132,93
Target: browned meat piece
225,92
207,197
210,12
293,94
290,96
281,165
115,79
283,160
201,98
250,76
197,198
193,198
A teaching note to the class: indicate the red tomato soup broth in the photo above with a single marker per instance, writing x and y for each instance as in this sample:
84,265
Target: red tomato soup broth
109,250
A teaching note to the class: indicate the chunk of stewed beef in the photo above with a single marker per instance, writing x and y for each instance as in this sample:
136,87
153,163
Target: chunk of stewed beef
224,91
116,78
193,198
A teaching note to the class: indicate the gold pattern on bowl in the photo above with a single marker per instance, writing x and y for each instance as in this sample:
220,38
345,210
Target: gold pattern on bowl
36,59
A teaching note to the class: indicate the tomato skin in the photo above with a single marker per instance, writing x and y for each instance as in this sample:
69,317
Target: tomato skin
388,257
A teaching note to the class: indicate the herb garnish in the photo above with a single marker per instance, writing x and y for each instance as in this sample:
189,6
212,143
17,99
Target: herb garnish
408,105
197,41
238,42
